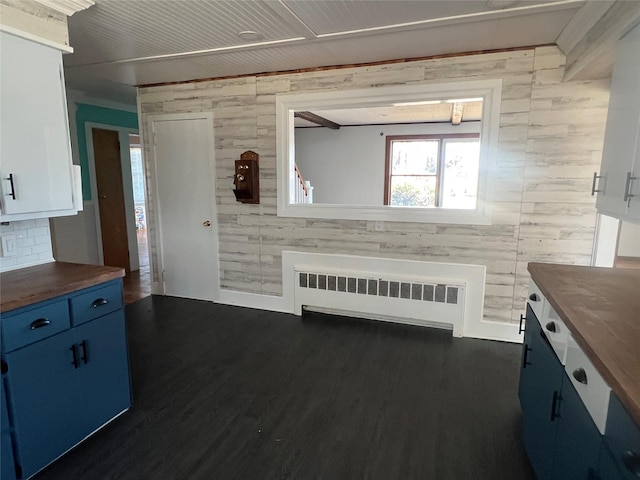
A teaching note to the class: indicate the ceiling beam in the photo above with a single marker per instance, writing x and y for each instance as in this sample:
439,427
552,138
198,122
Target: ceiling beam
590,52
457,109
317,119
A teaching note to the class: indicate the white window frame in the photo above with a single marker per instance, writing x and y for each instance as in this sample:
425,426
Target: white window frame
286,104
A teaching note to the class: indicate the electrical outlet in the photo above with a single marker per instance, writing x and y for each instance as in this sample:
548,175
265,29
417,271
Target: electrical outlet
9,245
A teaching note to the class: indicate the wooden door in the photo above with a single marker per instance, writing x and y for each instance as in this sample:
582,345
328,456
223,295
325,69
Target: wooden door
113,223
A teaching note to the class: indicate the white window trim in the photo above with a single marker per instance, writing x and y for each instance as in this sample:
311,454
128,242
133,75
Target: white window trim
286,104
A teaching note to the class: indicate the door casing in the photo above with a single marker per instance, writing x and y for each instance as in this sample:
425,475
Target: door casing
123,133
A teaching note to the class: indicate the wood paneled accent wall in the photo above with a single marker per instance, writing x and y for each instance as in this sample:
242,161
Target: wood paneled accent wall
551,137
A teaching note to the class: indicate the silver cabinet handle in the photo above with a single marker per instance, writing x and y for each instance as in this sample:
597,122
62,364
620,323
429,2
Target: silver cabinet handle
596,177
627,188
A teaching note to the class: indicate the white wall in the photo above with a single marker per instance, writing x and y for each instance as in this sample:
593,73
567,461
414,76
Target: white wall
76,238
346,166
629,240
550,143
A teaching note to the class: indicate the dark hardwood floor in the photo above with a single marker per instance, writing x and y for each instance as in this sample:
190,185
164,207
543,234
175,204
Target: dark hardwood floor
225,393
137,284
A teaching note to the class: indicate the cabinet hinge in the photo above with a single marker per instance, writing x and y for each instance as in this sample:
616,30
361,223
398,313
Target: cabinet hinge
4,367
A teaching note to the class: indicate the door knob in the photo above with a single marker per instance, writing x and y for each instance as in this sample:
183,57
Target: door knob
206,223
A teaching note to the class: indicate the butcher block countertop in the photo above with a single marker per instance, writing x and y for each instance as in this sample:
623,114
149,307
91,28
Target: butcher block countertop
601,307
25,286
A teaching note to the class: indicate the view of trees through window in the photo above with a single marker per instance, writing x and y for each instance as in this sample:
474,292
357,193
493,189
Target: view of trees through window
433,171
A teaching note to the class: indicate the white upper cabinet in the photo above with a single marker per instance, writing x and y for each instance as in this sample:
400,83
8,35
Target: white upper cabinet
619,184
35,152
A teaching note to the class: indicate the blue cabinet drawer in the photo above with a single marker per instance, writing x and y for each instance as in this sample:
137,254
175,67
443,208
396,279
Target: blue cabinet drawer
96,302
622,436
34,324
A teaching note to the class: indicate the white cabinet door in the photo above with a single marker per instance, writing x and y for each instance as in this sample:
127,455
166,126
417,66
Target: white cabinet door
623,127
35,154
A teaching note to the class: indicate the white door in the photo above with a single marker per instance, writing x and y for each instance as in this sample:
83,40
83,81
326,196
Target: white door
185,191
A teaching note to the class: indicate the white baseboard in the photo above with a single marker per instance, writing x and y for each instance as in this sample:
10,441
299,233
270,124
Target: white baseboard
502,332
255,300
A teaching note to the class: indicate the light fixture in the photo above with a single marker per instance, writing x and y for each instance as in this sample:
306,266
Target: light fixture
250,36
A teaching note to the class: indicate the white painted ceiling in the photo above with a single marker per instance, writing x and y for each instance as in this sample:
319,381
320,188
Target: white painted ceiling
120,44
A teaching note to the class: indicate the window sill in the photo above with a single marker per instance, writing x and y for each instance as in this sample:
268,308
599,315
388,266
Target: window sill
480,216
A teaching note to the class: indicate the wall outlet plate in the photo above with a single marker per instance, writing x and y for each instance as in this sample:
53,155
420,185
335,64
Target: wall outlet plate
9,245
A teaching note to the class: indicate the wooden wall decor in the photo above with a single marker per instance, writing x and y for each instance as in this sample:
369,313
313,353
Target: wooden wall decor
247,178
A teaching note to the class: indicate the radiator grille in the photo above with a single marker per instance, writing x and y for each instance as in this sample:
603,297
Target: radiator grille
428,292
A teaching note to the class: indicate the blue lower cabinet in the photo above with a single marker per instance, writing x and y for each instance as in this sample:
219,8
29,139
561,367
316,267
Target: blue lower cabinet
67,374
607,467
578,439
541,377
43,384
622,438
7,465
104,374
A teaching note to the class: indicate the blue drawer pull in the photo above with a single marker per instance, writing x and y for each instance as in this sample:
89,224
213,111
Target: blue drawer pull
99,302
39,323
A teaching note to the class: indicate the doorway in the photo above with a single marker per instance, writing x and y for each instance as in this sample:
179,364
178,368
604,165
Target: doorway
137,283
118,176
183,166
111,201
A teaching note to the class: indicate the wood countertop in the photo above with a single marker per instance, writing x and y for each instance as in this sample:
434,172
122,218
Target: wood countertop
25,286
601,307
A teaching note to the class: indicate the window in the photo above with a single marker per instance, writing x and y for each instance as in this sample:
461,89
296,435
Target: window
432,170
371,98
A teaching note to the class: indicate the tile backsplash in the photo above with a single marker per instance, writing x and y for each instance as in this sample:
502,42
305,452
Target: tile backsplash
32,243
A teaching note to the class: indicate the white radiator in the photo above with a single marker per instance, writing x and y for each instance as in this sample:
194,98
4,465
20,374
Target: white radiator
412,292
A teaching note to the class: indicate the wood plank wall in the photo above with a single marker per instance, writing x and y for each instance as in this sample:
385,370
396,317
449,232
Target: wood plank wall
551,137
